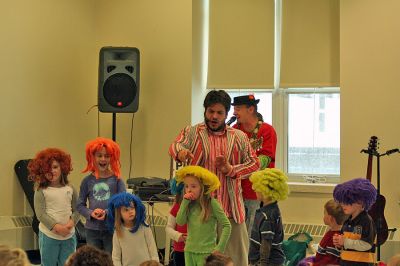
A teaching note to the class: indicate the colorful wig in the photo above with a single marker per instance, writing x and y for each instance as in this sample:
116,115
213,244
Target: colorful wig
270,182
125,199
40,166
208,179
112,148
175,187
358,190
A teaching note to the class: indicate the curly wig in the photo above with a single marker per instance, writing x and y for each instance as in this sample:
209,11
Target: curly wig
175,187
358,190
208,179
112,148
40,166
89,255
114,208
270,182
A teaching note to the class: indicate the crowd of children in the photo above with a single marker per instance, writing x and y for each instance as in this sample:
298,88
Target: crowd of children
117,232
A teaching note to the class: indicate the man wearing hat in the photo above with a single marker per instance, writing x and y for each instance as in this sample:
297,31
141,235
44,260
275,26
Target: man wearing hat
226,152
262,139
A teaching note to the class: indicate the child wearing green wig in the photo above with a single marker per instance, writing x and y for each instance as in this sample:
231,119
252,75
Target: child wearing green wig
266,238
201,213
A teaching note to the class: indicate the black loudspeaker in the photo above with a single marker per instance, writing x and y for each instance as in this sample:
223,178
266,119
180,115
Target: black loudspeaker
119,80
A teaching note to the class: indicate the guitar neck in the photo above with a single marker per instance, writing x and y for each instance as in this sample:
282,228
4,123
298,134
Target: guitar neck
369,167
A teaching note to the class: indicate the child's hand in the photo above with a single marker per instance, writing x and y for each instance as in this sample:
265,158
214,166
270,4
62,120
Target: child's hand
189,196
70,224
61,230
182,238
98,214
338,240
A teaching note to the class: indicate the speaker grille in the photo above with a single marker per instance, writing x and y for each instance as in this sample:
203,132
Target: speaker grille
119,90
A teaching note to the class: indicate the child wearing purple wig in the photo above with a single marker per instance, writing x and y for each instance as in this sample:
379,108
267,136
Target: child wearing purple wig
358,232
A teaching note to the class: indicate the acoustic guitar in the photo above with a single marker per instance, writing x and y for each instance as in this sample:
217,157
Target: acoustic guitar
378,208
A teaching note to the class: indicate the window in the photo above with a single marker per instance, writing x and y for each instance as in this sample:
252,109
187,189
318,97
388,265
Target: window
312,145
264,107
308,130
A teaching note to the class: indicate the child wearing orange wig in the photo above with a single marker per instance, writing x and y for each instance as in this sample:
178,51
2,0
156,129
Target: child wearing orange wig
102,156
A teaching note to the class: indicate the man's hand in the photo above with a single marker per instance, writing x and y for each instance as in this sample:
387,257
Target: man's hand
222,164
185,155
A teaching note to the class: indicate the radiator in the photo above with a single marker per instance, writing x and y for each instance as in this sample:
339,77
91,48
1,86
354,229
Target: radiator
16,231
317,231
157,224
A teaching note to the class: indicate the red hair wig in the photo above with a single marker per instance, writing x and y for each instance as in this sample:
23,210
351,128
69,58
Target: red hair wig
40,166
112,148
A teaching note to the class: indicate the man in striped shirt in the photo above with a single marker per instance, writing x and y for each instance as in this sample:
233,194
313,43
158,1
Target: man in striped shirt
227,153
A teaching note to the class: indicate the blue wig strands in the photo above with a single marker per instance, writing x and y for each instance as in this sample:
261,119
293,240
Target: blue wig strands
358,190
176,188
125,199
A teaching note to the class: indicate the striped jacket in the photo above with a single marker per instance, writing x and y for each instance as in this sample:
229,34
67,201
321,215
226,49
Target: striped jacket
239,153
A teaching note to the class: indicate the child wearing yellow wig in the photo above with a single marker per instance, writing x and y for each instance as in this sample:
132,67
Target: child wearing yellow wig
201,213
266,238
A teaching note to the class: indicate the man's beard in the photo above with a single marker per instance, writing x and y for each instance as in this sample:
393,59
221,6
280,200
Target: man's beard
218,129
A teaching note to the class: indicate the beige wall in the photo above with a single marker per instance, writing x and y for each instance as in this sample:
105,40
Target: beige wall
370,64
49,70
49,80
162,30
369,73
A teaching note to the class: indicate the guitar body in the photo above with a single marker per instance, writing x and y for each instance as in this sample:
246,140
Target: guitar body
377,214
378,208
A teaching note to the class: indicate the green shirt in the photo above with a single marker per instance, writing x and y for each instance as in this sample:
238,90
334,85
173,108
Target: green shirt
202,236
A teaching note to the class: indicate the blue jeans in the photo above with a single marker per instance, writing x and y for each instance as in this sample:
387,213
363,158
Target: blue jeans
250,207
101,239
55,252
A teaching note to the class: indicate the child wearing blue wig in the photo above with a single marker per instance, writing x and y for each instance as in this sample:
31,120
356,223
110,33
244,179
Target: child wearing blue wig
133,241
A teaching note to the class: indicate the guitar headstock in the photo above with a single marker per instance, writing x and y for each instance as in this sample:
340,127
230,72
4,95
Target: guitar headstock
373,145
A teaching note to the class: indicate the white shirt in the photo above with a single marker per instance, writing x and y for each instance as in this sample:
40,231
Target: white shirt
134,248
58,206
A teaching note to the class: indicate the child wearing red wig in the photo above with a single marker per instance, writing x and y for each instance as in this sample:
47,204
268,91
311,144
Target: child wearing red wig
96,189
55,201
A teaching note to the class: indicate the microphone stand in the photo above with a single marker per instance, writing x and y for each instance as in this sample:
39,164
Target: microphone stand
114,126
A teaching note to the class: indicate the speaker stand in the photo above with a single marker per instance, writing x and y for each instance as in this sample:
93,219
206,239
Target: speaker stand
114,125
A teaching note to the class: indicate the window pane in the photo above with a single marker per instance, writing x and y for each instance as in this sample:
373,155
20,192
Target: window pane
264,107
314,133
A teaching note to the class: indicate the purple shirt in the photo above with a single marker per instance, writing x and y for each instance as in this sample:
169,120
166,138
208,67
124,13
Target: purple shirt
95,193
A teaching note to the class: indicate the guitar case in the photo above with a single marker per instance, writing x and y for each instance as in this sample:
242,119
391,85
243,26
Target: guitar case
21,170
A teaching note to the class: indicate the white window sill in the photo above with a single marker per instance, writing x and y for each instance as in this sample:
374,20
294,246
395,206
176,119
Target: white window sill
300,187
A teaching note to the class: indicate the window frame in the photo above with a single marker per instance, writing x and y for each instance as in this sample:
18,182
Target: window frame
283,141
280,118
